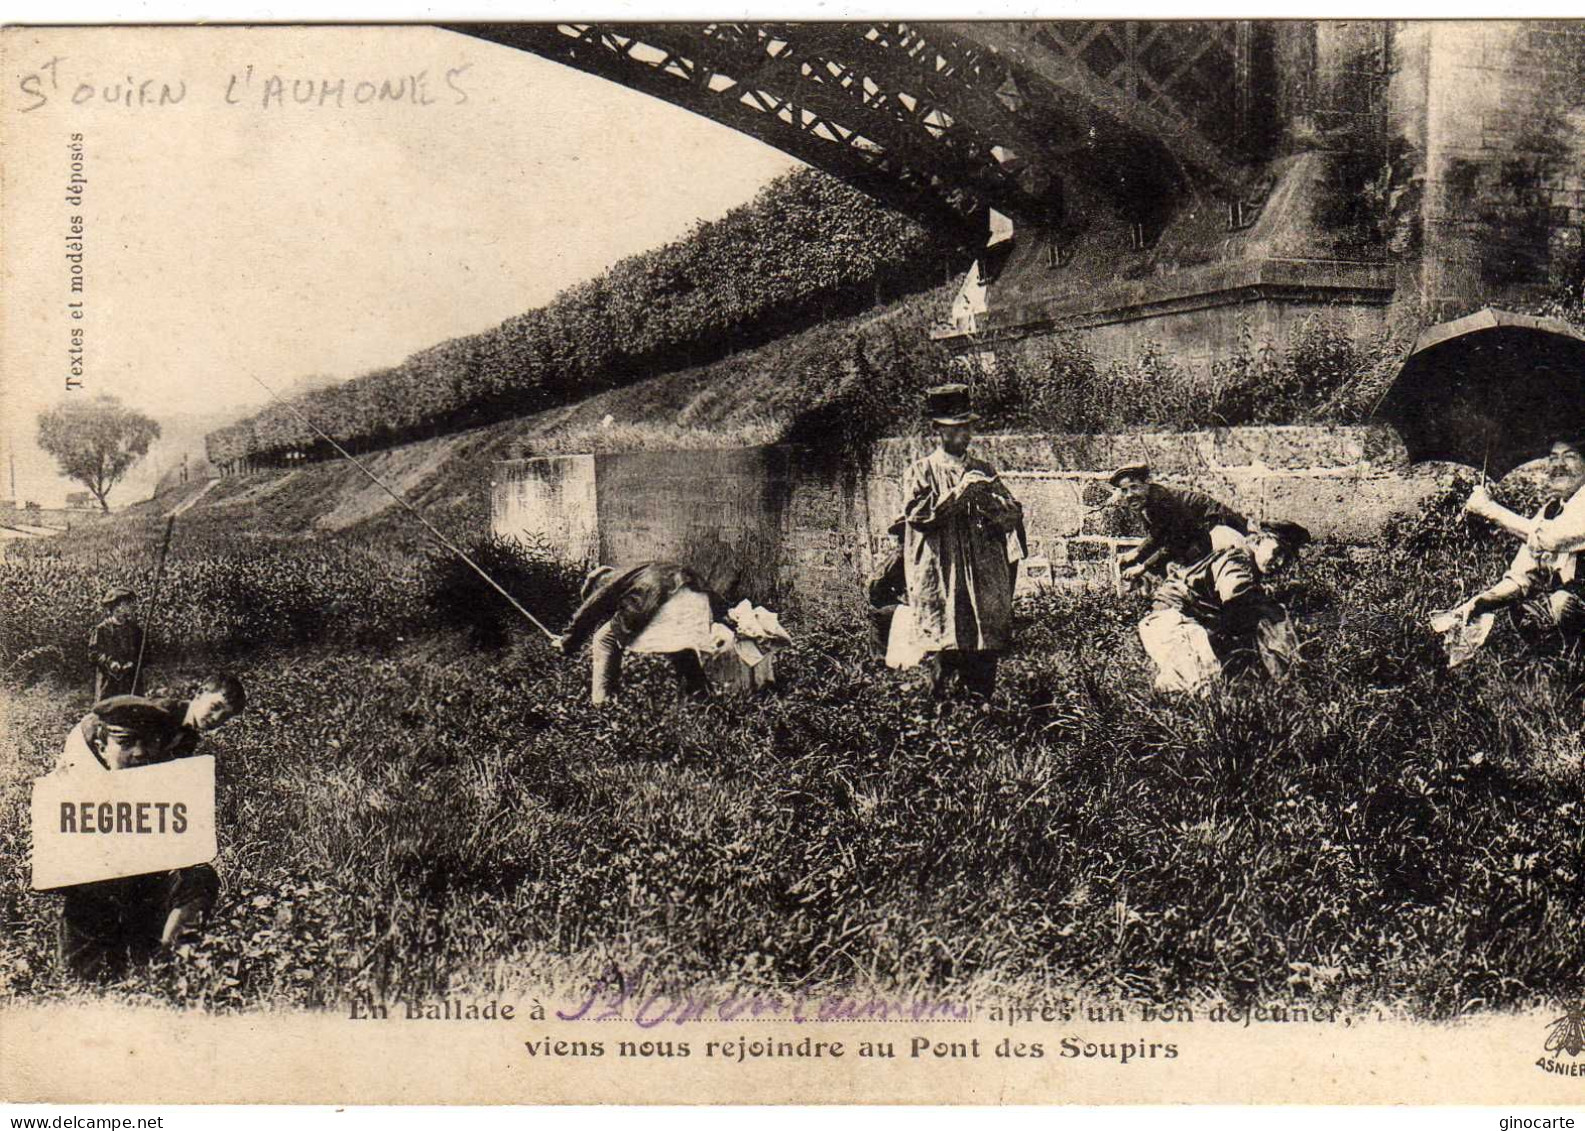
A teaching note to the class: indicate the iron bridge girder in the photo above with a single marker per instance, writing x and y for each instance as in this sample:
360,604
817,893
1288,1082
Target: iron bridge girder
941,120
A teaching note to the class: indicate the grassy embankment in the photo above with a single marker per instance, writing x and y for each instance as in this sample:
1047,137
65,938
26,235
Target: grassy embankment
414,803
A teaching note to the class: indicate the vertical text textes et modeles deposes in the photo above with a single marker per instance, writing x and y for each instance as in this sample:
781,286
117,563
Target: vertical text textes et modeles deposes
76,184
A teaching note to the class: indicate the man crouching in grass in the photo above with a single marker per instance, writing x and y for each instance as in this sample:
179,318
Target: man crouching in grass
1544,585
1217,615
107,926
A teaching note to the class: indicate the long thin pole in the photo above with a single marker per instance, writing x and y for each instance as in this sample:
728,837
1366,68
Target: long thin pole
429,526
153,602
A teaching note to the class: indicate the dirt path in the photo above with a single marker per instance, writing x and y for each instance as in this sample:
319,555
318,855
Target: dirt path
187,504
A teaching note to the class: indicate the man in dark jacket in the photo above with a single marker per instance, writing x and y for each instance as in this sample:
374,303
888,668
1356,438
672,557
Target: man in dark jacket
115,643
618,605
1216,617
1178,522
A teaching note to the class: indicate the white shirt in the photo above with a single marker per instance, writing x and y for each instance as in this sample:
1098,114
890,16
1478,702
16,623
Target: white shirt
1553,547
1564,534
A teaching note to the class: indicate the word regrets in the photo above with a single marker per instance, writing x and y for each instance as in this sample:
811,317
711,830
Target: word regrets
145,817
90,826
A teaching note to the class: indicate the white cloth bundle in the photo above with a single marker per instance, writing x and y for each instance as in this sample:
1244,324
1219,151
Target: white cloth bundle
758,624
902,646
1462,638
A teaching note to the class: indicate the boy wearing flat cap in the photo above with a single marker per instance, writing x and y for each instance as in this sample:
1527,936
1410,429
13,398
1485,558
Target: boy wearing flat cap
114,644
128,730
961,544
1217,617
1178,522
109,925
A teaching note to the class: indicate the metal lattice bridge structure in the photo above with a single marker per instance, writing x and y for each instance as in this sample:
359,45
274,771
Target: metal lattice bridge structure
1040,121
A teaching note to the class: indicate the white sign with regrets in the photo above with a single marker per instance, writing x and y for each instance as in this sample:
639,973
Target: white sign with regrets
90,825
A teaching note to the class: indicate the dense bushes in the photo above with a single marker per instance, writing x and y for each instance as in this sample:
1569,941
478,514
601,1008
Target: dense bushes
457,597
219,596
712,336
1322,372
807,248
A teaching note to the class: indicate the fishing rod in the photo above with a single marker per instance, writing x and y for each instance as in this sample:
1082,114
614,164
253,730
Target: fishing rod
429,526
153,601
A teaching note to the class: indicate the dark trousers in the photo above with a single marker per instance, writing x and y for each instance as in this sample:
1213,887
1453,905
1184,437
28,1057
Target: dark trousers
106,927
1553,620
976,671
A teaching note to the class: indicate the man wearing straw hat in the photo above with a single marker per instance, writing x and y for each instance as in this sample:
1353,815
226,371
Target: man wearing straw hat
961,545
619,606
114,644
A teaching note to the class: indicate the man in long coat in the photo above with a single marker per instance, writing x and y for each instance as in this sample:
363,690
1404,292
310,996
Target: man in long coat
961,545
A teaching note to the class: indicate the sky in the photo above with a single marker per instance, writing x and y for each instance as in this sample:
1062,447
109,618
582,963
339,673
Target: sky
238,234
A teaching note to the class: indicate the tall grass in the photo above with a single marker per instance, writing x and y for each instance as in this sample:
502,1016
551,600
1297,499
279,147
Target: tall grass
435,815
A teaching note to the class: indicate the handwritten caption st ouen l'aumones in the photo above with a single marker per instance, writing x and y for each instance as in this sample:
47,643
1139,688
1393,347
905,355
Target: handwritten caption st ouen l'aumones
55,82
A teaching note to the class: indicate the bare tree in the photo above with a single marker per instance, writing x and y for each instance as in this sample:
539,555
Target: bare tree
96,442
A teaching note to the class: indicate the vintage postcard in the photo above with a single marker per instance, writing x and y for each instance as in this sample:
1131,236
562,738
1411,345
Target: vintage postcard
742,562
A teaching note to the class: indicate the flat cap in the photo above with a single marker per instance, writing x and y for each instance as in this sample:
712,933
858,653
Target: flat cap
1290,534
1129,471
134,713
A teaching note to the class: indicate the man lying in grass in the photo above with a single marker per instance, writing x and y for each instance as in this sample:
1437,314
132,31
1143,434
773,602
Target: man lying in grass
1217,617
108,925
1544,585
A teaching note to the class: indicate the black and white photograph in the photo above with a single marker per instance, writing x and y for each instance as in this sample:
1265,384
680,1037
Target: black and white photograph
794,562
